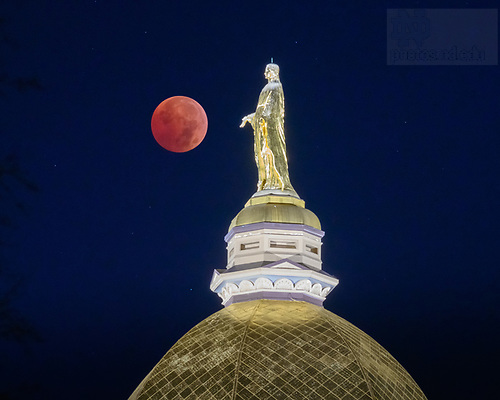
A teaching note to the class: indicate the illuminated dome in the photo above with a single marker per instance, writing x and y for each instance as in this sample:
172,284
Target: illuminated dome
275,206
274,340
269,349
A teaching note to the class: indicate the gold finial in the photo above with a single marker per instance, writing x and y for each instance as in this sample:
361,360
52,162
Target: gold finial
269,134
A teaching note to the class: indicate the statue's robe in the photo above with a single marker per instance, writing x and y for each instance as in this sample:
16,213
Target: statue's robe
269,145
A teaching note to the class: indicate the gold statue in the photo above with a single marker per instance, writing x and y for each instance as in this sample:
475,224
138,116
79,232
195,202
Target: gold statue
269,133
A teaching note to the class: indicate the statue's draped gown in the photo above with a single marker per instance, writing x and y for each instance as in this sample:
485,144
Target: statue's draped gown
270,148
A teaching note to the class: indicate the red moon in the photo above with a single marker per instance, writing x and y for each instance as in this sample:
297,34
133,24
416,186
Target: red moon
179,124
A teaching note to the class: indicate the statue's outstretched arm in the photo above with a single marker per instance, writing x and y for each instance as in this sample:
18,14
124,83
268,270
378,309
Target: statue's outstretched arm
248,118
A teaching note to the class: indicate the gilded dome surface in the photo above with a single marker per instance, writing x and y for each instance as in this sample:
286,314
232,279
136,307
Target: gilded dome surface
272,208
268,349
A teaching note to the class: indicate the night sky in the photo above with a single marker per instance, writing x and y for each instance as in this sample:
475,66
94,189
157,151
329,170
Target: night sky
112,256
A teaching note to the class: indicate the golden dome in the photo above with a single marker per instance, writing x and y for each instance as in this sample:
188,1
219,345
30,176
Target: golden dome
275,208
268,349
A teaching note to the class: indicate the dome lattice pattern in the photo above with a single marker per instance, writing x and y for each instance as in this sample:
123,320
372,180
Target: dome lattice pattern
267,349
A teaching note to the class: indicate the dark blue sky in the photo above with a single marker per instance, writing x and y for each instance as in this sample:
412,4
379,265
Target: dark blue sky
117,248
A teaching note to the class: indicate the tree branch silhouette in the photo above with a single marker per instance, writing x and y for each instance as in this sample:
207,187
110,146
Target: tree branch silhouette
13,184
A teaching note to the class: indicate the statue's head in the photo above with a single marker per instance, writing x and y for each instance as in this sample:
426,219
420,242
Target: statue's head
272,72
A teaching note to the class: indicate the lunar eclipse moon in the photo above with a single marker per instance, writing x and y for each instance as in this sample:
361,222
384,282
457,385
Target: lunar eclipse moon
179,124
